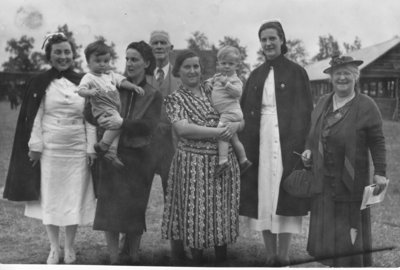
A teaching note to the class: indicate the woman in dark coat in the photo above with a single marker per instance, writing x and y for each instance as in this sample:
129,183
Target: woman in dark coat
123,193
345,126
276,105
53,143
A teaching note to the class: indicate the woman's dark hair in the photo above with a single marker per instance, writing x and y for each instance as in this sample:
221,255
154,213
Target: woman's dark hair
55,39
279,29
147,53
97,48
182,56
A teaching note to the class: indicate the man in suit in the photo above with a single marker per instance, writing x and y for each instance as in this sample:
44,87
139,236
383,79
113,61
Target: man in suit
165,139
166,83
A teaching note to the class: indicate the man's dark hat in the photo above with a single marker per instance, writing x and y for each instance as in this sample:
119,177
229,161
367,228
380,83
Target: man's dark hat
338,61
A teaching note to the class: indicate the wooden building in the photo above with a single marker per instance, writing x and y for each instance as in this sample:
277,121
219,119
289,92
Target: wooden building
379,75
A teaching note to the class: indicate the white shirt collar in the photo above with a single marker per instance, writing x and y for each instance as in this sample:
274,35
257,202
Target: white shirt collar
164,68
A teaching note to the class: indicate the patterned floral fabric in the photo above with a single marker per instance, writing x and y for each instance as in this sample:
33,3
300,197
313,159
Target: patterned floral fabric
199,209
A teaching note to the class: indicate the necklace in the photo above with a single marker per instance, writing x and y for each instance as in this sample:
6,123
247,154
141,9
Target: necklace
340,102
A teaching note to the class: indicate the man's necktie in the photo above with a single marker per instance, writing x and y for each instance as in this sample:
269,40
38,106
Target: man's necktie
160,76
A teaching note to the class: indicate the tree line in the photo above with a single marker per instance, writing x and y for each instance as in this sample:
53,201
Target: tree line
23,59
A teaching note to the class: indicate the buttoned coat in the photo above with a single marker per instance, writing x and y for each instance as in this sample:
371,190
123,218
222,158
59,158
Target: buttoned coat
123,193
294,106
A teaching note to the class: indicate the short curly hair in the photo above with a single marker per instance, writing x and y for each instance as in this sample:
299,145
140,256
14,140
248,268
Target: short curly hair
55,39
147,53
180,58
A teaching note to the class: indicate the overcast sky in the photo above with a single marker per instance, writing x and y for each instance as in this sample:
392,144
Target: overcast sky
124,21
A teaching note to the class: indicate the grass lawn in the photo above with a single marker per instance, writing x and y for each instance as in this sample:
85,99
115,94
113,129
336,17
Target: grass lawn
24,241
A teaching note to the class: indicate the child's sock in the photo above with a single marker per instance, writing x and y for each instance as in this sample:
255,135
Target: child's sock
222,160
112,150
104,146
101,147
242,160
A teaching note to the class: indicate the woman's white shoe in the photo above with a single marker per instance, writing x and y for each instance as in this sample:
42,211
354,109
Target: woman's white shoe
69,256
54,256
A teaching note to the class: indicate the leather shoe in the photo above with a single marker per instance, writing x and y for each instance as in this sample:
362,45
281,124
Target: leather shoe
244,166
100,148
221,168
115,161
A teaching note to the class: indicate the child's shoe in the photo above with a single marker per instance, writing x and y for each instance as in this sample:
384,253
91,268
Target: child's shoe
244,166
101,148
115,161
221,168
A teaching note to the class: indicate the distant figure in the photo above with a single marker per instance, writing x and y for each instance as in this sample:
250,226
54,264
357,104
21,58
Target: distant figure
13,97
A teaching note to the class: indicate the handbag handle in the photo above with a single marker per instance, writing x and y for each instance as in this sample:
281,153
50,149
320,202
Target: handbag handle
297,162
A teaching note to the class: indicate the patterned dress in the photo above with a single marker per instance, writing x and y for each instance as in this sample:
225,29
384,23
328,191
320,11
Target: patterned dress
199,209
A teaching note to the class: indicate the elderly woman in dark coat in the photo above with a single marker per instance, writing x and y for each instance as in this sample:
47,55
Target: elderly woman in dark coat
276,105
123,193
345,126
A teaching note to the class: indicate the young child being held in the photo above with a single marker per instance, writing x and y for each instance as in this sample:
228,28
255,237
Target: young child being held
226,93
99,85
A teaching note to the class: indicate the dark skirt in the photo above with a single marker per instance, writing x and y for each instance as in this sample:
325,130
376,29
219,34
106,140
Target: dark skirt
329,238
123,194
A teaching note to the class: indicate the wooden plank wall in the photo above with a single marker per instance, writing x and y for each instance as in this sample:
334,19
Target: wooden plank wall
388,65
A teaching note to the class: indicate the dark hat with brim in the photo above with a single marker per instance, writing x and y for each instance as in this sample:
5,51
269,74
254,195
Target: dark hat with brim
337,61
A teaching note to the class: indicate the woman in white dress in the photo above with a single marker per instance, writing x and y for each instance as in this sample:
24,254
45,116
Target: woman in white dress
61,145
277,105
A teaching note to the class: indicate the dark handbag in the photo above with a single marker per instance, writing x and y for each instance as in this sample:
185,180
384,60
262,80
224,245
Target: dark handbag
299,182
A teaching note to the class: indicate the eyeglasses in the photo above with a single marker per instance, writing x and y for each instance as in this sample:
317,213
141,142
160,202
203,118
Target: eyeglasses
51,36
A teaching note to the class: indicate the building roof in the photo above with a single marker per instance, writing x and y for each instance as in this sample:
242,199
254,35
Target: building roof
368,55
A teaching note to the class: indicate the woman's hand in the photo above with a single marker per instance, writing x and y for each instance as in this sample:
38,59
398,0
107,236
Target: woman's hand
207,86
380,182
91,157
113,121
306,158
34,157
